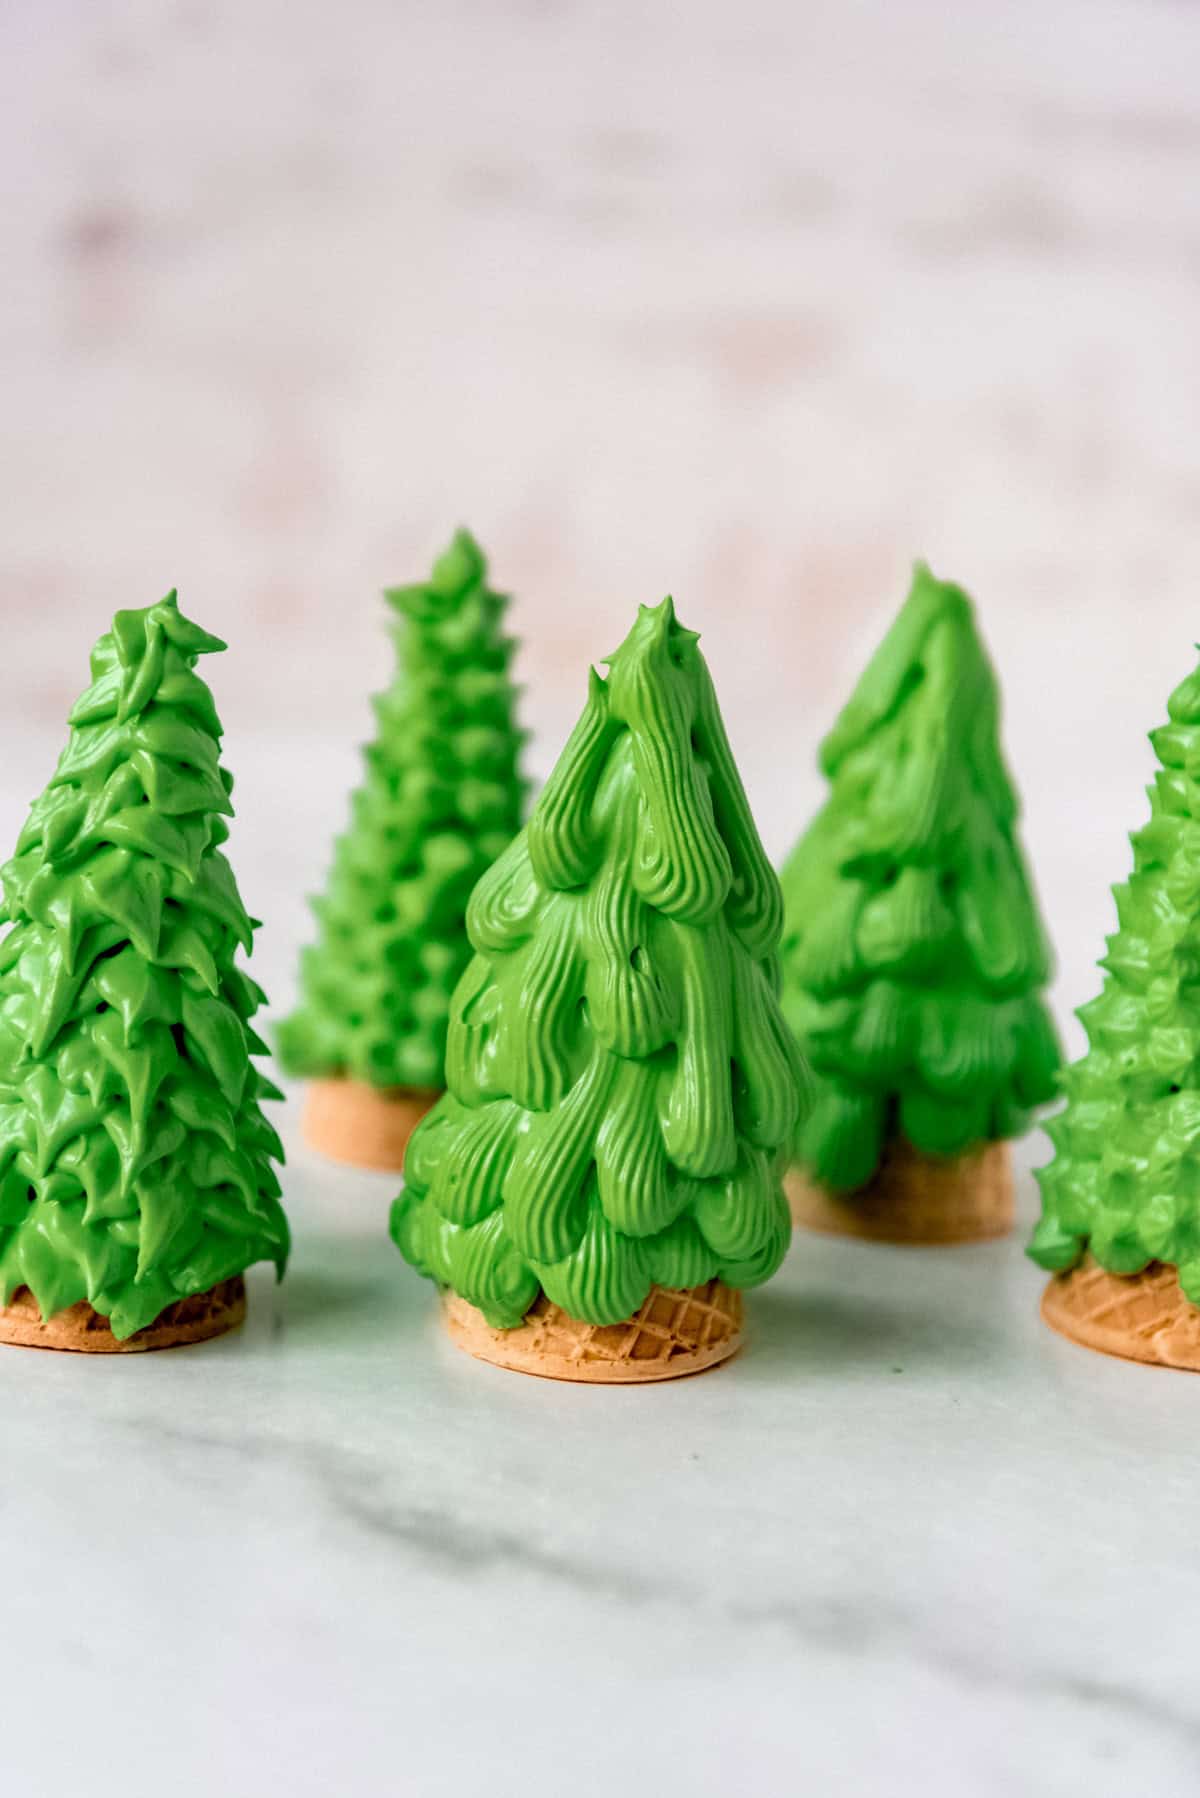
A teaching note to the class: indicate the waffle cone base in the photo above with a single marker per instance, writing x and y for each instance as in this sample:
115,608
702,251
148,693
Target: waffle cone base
915,1198
366,1126
81,1329
1141,1317
676,1331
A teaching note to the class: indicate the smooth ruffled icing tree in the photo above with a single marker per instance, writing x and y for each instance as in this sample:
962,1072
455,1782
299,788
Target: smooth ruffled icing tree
621,1078
441,798
914,957
135,1161
1124,1184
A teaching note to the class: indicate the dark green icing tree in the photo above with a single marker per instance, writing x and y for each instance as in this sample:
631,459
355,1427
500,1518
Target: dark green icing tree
135,1161
442,798
621,1078
913,956
1125,1179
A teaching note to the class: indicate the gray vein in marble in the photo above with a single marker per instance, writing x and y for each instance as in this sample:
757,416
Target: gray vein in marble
870,1630
879,1630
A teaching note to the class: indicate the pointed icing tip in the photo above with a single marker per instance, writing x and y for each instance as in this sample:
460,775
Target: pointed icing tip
461,564
923,577
932,606
680,639
926,589
186,635
656,628
658,621
1183,707
666,610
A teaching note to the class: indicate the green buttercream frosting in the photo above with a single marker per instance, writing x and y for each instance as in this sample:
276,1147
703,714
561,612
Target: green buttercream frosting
913,956
621,1077
442,797
1125,1179
135,1161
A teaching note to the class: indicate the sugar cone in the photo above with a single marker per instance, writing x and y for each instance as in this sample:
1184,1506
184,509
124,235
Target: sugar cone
1142,1317
368,1126
80,1328
676,1331
915,1198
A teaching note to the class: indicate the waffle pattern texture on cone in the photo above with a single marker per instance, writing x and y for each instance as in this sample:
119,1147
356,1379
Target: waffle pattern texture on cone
915,1198
84,1330
1141,1317
675,1331
367,1126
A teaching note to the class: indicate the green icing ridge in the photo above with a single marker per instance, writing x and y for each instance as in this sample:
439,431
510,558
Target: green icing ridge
441,798
621,1078
1125,1178
135,1160
913,955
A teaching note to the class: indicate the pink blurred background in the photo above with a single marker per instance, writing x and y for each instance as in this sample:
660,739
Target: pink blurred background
749,304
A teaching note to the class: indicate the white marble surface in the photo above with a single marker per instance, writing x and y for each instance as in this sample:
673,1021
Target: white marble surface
908,1542
752,302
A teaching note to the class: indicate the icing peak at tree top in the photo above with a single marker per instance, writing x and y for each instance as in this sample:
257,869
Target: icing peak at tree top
898,664
697,850
933,643
460,570
130,660
1183,707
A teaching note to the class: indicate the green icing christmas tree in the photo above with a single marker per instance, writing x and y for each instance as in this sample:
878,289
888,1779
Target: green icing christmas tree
621,1078
913,954
1125,1180
135,1161
442,798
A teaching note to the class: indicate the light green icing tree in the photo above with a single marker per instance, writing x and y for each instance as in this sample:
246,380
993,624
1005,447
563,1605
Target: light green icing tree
621,1078
913,956
1125,1180
441,799
135,1161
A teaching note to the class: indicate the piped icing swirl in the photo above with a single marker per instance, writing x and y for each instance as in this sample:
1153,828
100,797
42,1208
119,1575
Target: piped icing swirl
441,798
621,1079
135,1160
1124,1183
913,956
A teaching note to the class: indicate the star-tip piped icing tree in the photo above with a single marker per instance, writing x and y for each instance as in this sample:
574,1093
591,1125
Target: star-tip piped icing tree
442,796
1120,1222
914,957
136,1166
604,1174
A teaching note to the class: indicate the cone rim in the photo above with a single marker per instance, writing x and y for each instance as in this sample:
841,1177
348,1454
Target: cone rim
349,1121
552,1345
915,1200
1143,1317
81,1329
